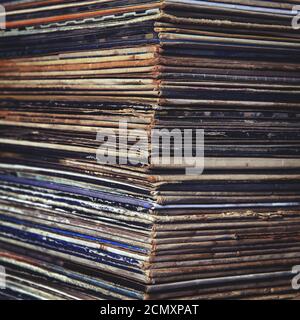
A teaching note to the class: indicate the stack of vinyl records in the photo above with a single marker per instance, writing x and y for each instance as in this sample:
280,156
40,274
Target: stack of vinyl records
78,78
